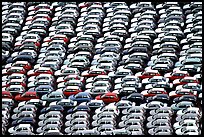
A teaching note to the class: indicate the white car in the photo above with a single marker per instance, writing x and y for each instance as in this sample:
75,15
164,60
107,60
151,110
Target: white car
75,121
98,84
67,71
41,76
134,109
21,128
34,83
27,107
98,78
184,123
110,108
97,90
124,104
48,127
133,116
104,120
188,129
49,121
56,114
105,114
78,114
153,105
194,110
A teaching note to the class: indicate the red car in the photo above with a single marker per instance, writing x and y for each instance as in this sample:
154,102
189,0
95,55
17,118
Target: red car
94,73
185,80
40,70
57,37
153,92
71,90
6,94
176,75
108,97
26,96
148,74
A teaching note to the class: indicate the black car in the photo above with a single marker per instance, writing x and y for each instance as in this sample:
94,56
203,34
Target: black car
159,97
79,108
134,97
28,58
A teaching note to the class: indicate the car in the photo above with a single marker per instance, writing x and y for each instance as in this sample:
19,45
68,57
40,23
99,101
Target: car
176,75
25,64
131,122
154,79
192,116
160,122
11,70
185,98
185,123
108,108
36,102
71,83
147,74
159,97
191,129
167,110
123,104
41,76
78,114
185,80
81,97
153,105
138,98
41,123
104,114
181,92
51,114
120,73
194,110
52,108
14,89
102,121
108,97
26,96
161,130
153,92
70,77
159,116
194,86
86,132
24,120
67,71
53,96
134,109
40,70
65,103
48,127
181,105
21,128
